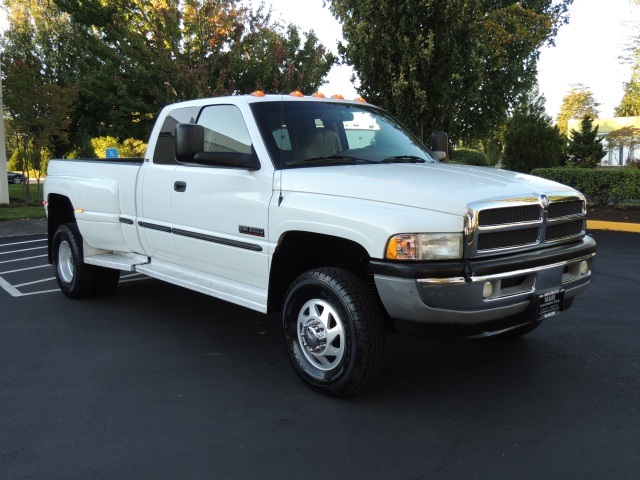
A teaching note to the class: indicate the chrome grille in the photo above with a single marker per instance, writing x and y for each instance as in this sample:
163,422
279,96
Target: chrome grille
499,216
515,224
565,209
508,239
565,230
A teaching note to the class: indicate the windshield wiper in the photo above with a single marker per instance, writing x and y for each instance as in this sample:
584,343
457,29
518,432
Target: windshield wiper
333,159
404,159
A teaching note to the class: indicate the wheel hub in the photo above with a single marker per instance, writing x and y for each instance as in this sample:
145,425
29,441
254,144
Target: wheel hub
314,336
66,268
321,334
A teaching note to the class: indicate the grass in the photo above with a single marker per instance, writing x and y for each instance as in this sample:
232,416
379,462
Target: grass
19,208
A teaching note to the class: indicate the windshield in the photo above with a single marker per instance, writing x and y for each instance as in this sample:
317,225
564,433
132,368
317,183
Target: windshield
310,134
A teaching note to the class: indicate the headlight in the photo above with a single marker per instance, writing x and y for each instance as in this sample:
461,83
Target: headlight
425,246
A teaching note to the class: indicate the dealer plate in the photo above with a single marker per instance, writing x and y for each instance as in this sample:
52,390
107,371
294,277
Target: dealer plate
549,303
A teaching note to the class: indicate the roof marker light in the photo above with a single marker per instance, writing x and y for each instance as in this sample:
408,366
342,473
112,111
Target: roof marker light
296,93
258,93
337,96
360,99
318,95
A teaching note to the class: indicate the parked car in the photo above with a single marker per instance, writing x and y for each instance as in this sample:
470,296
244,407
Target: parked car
15,178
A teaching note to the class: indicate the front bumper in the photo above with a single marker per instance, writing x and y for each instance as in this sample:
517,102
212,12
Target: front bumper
455,293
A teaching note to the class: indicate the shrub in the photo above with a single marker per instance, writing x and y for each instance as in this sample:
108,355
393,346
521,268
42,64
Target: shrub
468,156
633,163
619,187
531,142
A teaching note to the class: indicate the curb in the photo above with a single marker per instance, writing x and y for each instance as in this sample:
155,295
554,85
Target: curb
614,226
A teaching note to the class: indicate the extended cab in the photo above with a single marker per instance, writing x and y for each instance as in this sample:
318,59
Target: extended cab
328,211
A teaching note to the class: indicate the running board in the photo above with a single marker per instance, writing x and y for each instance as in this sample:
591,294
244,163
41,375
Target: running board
118,261
239,293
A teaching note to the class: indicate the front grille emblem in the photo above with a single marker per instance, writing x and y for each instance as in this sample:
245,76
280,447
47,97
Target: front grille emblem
545,201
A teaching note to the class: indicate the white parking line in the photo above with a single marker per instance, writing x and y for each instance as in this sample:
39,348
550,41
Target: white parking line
34,282
10,289
21,259
38,293
21,243
24,269
23,250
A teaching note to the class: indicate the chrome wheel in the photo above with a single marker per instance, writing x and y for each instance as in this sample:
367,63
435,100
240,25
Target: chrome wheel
75,278
66,268
321,334
333,331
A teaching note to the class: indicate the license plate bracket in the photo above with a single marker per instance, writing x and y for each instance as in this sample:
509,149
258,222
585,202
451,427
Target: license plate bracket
550,303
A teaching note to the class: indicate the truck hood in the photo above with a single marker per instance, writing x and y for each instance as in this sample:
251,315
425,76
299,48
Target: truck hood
437,187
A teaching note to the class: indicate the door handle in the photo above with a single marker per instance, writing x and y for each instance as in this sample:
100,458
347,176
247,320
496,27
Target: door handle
180,186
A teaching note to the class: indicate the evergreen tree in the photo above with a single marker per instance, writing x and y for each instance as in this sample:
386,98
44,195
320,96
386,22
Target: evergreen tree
530,140
585,148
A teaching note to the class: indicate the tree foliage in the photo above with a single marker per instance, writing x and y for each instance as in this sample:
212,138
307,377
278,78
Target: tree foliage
628,137
585,148
454,65
36,96
530,140
578,103
109,67
128,148
630,104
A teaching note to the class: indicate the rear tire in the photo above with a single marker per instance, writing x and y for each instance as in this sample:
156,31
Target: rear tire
334,331
75,278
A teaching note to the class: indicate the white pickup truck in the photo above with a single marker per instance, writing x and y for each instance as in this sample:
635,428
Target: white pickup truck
331,212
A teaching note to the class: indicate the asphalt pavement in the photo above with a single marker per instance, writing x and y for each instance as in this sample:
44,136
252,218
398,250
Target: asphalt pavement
159,382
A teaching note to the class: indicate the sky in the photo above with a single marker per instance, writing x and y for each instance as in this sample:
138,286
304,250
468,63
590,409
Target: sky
587,50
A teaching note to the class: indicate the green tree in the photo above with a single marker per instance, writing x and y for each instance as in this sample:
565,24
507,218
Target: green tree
126,59
585,148
578,103
155,53
38,100
42,43
128,148
530,140
630,104
454,65
628,137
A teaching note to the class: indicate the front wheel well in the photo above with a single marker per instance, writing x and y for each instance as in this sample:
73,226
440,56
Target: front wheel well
298,252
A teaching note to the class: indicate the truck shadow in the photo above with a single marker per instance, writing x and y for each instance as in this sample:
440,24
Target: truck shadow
223,337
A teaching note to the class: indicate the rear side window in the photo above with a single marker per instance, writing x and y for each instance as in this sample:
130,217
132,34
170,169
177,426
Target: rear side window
165,152
224,129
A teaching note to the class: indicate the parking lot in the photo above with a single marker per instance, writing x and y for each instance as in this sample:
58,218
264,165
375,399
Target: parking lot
159,382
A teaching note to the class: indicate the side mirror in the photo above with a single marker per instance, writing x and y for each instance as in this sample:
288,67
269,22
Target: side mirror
440,145
244,161
189,141
190,149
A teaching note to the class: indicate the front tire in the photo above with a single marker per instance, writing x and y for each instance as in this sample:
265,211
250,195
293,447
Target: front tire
334,331
75,278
